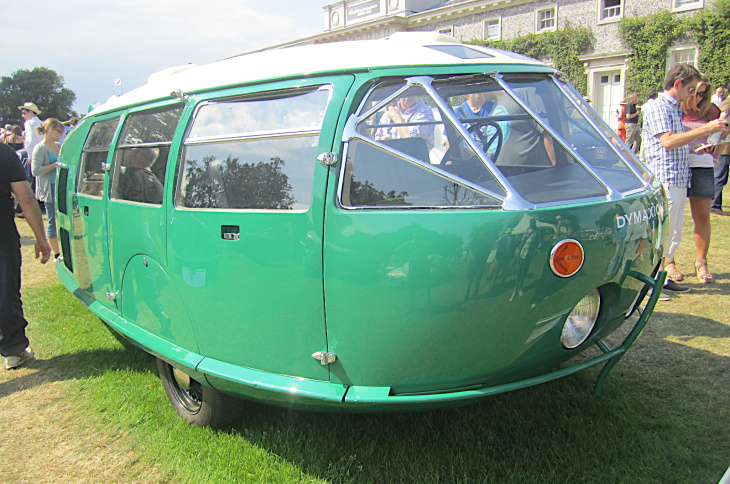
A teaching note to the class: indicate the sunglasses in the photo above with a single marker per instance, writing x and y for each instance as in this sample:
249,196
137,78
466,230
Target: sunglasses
692,90
701,93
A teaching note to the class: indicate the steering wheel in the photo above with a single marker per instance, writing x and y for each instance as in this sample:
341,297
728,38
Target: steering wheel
462,161
485,137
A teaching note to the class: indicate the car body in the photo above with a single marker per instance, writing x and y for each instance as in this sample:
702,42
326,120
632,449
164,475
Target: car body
269,228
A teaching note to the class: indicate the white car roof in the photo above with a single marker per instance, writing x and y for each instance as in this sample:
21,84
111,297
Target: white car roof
403,49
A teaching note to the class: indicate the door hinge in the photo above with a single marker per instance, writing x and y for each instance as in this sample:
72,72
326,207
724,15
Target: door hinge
324,357
327,159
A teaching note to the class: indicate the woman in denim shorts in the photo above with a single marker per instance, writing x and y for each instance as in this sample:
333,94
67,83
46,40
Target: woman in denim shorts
697,110
45,162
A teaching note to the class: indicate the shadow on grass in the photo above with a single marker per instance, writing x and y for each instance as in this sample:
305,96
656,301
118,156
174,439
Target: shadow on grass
658,421
79,365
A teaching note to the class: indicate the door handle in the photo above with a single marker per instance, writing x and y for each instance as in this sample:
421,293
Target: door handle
230,232
86,210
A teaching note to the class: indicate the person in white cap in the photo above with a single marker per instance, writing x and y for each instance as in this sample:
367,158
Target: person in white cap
30,112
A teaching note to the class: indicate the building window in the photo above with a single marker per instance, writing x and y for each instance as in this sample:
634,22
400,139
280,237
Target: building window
610,10
546,19
682,55
682,5
491,29
446,31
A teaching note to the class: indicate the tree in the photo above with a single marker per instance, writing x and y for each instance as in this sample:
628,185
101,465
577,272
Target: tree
231,184
711,30
41,86
650,38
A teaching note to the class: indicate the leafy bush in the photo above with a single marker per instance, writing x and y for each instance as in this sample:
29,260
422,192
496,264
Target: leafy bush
561,47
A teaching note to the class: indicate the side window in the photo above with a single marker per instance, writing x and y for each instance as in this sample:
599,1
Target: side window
140,160
253,152
93,157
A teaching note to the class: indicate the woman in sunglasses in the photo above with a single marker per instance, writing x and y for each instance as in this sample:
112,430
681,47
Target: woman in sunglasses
698,110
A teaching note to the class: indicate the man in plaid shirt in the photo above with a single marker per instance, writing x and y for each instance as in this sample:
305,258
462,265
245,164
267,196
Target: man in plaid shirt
666,152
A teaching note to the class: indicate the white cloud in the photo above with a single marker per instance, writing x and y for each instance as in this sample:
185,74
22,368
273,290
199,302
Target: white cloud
91,42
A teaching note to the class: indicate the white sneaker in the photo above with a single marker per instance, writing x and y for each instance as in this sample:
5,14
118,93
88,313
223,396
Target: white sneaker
16,361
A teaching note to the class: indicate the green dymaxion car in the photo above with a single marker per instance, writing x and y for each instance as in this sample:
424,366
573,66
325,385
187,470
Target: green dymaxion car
368,226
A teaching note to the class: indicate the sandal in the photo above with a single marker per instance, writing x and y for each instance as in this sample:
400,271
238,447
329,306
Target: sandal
706,278
674,275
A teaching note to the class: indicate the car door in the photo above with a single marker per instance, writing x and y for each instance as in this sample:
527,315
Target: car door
245,233
137,213
90,248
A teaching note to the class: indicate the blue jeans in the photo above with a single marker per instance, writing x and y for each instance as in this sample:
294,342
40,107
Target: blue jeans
721,172
51,214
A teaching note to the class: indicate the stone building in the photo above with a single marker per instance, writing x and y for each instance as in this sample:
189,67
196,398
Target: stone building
505,19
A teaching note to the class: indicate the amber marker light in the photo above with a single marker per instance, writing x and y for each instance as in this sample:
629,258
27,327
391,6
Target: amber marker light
566,258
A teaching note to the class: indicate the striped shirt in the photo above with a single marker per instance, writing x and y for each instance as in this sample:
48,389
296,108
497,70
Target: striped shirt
661,116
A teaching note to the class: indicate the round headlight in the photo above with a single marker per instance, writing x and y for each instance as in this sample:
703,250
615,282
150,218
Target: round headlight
580,321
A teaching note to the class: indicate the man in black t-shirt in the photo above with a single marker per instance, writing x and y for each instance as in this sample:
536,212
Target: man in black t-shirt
13,342
633,137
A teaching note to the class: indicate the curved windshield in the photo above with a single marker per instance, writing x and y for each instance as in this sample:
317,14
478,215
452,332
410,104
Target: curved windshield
485,136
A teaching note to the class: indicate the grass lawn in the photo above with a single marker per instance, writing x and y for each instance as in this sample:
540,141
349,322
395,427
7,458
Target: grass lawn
98,406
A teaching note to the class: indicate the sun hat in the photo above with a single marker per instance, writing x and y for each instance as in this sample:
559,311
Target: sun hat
30,107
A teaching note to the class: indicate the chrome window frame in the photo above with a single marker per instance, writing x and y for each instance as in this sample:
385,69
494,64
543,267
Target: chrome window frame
85,149
350,132
611,193
115,166
264,135
564,86
512,200
256,135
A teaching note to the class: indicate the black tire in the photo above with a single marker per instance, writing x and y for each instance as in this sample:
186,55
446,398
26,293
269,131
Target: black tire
198,404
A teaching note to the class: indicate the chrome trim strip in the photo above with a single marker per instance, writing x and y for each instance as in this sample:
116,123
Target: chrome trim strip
612,194
143,145
255,136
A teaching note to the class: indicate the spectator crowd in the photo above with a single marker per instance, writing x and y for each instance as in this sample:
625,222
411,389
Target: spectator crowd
30,153
681,135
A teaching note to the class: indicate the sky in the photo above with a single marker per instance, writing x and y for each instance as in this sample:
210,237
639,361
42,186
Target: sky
90,43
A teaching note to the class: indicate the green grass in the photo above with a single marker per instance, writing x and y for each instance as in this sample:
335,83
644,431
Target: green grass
664,416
